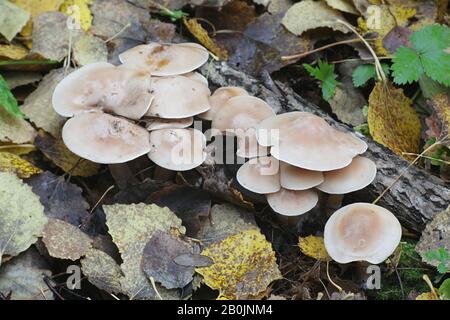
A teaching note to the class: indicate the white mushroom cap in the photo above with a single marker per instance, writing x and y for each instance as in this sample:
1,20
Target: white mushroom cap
103,87
197,77
292,202
362,232
260,175
294,178
219,98
357,175
177,149
240,116
308,141
158,123
178,97
103,138
165,59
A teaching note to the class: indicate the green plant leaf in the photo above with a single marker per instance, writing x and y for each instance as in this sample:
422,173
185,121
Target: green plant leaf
365,72
407,66
324,72
442,256
444,290
7,100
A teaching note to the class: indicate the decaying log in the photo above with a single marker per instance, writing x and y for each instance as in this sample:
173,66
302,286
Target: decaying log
415,199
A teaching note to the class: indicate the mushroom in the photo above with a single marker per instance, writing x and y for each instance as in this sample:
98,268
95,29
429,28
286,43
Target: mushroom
103,138
197,77
178,97
219,98
177,149
260,175
240,116
292,202
165,59
102,86
362,232
157,123
307,141
294,178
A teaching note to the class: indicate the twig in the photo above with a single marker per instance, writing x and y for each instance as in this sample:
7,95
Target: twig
118,33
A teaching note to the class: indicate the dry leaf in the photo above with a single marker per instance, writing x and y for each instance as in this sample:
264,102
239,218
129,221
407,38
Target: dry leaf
244,265
202,36
12,19
14,129
392,121
439,121
12,52
427,296
89,49
17,79
307,15
9,162
79,9
343,5
313,247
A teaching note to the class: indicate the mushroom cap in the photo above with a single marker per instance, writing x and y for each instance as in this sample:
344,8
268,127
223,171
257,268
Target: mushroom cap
292,202
103,138
158,123
305,140
177,149
219,98
197,77
248,146
178,97
165,59
260,175
103,87
294,178
357,175
362,232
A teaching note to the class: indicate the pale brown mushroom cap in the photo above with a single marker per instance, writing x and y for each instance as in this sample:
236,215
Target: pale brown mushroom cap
248,146
103,87
177,149
308,141
158,123
197,77
362,232
219,98
260,175
292,202
357,175
178,97
103,138
165,59
294,178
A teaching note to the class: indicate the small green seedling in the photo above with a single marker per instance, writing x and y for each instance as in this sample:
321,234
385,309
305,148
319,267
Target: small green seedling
324,72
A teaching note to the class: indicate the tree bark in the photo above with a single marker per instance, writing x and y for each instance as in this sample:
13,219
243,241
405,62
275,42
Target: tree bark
415,199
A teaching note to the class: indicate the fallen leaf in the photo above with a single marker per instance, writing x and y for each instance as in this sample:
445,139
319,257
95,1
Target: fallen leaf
14,129
9,162
62,200
313,247
102,271
226,220
440,118
202,36
22,217
308,15
89,49
343,295
392,121
158,260
244,265
64,240
343,5
12,52
56,151
17,79
80,10
427,296
396,38
38,105
22,277
12,19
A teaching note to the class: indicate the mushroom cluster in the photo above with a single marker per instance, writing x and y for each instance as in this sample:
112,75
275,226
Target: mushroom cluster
155,86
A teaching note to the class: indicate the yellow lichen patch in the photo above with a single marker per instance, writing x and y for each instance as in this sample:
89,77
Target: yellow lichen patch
12,51
244,266
392,121
202,36
12,163
79,9
313,247
35,8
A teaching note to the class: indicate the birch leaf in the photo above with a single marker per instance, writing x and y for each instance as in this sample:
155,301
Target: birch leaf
9,162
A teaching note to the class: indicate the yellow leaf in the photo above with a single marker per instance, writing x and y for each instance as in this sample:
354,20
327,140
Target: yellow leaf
244,266
12,51
392,121
9,162
35,8
17,149
202,36
313,247
79,9
427,296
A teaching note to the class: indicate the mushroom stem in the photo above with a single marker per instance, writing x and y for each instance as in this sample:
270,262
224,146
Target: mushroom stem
163,174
